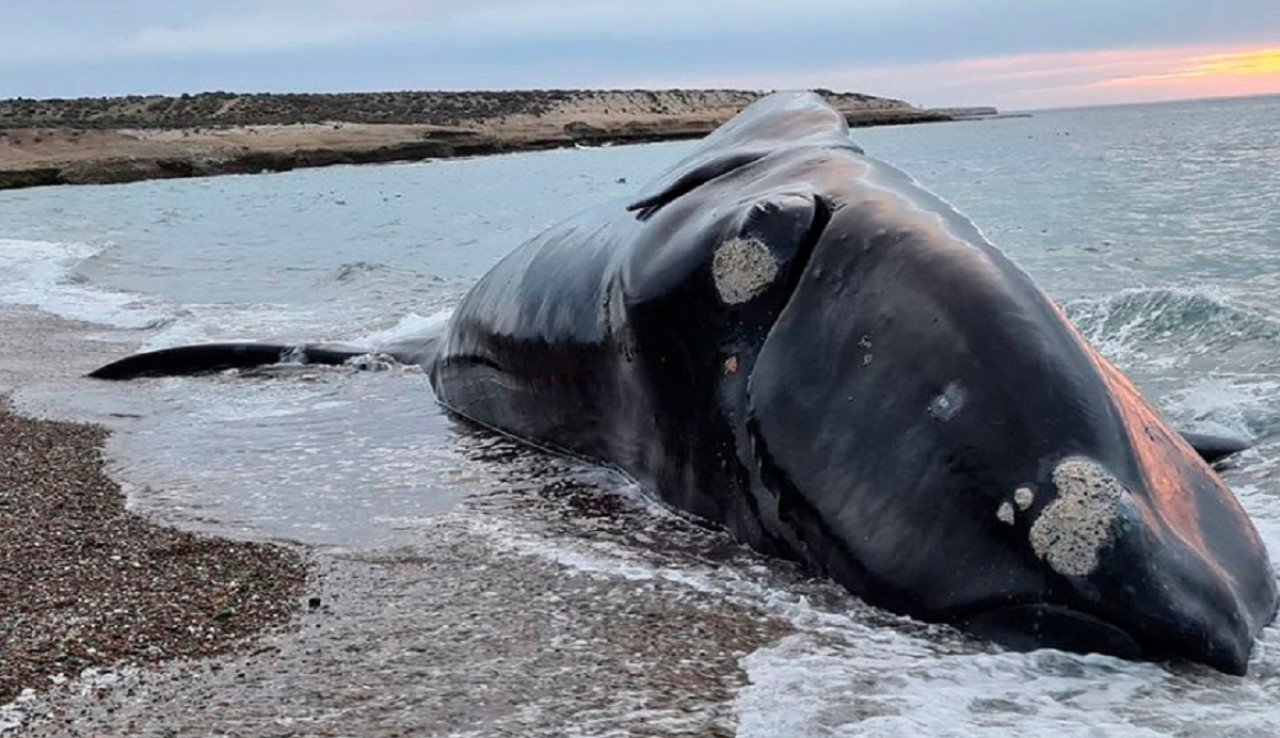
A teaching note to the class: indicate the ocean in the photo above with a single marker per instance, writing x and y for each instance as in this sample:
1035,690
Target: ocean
1156,226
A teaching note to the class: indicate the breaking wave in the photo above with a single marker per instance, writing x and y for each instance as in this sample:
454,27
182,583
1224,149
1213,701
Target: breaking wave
1195,321
42,274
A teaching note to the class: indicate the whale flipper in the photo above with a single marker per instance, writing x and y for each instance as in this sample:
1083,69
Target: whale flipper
669,188
207,358
214,357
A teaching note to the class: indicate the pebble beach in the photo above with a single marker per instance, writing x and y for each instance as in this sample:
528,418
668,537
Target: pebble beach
116,622
85,583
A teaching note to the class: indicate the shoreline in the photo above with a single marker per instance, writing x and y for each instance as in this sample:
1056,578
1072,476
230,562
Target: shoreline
471,626
111,141
88,584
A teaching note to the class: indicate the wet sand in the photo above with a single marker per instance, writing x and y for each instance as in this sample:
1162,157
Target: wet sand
461,638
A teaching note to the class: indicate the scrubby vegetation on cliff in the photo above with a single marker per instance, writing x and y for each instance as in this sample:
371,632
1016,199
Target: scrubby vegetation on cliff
430,108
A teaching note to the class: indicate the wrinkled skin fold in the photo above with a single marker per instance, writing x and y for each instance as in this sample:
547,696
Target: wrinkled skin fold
794,340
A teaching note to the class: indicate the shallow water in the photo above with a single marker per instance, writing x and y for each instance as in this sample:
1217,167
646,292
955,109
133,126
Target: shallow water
1157,226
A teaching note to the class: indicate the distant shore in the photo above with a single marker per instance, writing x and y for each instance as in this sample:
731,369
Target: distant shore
110,140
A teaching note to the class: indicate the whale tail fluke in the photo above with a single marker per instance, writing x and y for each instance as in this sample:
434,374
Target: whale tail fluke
208,358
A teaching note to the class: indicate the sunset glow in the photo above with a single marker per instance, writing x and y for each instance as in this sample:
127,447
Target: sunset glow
1038,80
1252,63
1103,76
1011,54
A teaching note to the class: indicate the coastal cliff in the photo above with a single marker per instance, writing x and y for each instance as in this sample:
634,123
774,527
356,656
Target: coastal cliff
106,140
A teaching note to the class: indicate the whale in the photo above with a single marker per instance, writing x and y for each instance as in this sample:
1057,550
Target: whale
797,342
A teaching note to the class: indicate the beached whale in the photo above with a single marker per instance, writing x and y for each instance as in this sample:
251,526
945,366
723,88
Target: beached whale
796,341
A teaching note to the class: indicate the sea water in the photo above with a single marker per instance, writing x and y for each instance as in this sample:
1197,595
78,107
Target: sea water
1156,226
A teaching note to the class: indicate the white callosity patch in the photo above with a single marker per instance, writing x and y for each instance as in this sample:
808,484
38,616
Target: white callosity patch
1074,527
743,268
1022,497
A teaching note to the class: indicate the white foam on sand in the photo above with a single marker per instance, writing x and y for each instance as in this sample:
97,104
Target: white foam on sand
409,327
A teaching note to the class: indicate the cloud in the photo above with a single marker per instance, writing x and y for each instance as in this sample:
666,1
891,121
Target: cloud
237,26
1038,80
888,30
249,34
1247,63
1017,53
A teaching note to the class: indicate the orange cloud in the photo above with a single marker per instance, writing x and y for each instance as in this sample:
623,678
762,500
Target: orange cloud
1115,75
1038,79
1249,63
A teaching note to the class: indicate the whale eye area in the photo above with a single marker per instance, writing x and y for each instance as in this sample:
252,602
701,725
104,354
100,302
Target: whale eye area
743,268
947,403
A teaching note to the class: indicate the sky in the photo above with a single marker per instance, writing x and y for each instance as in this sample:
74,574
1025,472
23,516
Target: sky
1014,54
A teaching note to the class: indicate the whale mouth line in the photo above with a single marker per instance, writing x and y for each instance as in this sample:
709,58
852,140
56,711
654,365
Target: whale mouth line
1029,627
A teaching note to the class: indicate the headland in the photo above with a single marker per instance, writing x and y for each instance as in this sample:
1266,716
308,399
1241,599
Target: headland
123,139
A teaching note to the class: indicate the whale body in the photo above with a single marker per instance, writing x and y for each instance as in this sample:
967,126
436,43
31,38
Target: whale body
794,340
